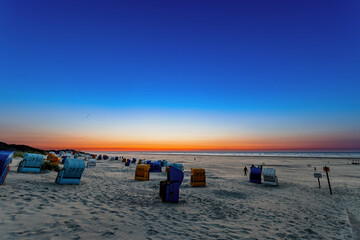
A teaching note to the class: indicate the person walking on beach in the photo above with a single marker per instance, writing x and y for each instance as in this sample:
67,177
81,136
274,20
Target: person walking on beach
245,171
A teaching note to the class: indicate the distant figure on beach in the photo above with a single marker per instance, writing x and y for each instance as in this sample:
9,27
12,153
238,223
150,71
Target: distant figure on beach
194,159
245,171
314,168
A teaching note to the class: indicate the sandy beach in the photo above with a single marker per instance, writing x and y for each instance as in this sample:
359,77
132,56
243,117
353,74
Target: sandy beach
110,204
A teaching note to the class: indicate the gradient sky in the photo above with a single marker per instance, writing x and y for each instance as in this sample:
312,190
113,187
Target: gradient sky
180,75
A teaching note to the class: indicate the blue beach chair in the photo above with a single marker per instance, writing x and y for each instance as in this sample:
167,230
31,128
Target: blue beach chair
71,172
255,174
169,189
31,163
155,167
5,159
133,160
128,161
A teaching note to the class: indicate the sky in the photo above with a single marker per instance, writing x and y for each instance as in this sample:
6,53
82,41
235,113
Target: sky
180,75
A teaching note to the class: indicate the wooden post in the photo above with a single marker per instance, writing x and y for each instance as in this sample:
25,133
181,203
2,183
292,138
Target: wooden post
319,182
326,169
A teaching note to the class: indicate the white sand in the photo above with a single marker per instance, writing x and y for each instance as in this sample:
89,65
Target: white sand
109,204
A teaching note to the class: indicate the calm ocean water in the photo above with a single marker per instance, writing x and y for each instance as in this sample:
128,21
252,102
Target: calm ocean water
253,154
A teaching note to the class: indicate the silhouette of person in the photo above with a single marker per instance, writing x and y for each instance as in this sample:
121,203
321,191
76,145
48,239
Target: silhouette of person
245,171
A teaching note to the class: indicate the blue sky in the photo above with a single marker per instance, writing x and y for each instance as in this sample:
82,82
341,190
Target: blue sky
293,60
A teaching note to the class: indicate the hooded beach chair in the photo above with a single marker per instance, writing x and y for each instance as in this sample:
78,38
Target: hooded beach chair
31,163
91,163
124,160
99,157
133,160
116,158
155,167
269,175
169,189
255,174
63,159
198,178
71,172
5,159
142,172
128,162
53,159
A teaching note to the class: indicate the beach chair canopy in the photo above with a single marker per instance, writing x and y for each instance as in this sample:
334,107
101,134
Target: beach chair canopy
31,163
169,189
71,172
269,175
198,178
255,174
176,165
5,159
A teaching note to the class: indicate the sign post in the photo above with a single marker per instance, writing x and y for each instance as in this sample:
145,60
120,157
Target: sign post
318,176
327,169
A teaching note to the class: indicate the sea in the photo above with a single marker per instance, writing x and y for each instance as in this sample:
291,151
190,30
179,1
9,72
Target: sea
350,155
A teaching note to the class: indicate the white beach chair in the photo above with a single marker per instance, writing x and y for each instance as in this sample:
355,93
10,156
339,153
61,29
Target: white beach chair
269,175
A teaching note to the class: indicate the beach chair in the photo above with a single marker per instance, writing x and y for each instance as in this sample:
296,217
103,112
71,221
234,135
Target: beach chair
53,159
106,157
198,177
124,160
63,159
155,167
142,172
31,163
128,163
116,158
148,162
169,189
91,163
5,159
269,175
133,160
71,172
99,157
255,174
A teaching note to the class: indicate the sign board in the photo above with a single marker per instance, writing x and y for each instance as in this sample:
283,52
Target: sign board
317,175
326,169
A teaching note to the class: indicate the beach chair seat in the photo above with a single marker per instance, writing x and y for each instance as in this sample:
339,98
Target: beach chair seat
255,174
31,163
71,172
169,189
142,172
91,163
155,167
5,159
198,177
270,178
127,163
